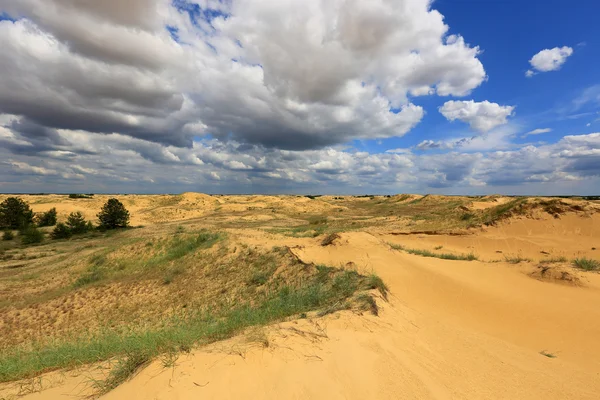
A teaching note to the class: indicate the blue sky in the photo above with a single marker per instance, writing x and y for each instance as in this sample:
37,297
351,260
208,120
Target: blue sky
316,96
509,34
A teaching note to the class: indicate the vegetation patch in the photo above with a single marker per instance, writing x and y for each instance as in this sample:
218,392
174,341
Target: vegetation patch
516,259
552,260
428,253
586,264
261,287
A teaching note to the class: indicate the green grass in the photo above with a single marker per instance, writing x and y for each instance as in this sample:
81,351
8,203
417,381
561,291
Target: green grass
180,247
516,259
126,367
135,347
367,303
375,282
586,264
92,275
428,253
494,214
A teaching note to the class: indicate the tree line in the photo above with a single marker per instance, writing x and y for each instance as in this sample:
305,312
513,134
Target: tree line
15,214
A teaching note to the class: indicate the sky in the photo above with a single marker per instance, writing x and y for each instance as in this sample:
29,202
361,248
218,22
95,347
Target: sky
289,96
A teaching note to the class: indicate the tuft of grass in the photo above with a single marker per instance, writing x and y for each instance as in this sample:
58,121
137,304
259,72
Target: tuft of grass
375,282
92,275
259,278
180,247
171,274
553,260
586,264
125,369
515,259
367,303
546,354
467,216
438,247
329,239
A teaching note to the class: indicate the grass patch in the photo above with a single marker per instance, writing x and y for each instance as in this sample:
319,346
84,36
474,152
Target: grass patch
181,246
553,260
366,302
375,282
172,274
516,259
428,253
124,370
494,214
323,289
586,264
92,275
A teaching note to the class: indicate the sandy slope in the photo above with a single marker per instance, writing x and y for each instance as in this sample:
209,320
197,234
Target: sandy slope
572,235
451,330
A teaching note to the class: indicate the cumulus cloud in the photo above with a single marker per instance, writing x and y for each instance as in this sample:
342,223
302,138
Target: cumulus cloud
481,116
549,60
288,74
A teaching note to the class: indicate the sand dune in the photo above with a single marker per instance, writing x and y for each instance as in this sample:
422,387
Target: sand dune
448,330
451,330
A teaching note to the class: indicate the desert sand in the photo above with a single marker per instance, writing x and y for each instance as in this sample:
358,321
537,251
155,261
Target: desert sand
449,329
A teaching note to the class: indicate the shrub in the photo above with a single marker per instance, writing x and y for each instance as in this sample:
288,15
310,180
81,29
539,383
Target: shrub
31,235
8,235
77,223
80,196
61,231
48,218
586,264
113,215
15,214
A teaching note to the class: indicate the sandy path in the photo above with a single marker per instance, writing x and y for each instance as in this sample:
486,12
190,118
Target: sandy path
452,330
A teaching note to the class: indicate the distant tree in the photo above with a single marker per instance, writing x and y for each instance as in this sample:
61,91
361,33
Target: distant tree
30,235
61,231
15,214
48,218
113,215
76,223
8,235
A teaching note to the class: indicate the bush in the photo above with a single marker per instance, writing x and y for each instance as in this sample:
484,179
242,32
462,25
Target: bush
80,196
8,235
48,218
31,235
61,231
77,224
586,264
113,215
15,214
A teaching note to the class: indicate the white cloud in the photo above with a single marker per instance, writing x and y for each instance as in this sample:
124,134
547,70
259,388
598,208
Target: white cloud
284,74
481,116
549,60
538,131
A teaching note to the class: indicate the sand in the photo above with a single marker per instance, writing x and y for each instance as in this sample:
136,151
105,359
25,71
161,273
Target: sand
448,330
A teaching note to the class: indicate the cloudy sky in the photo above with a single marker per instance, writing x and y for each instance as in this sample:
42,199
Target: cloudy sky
290,96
